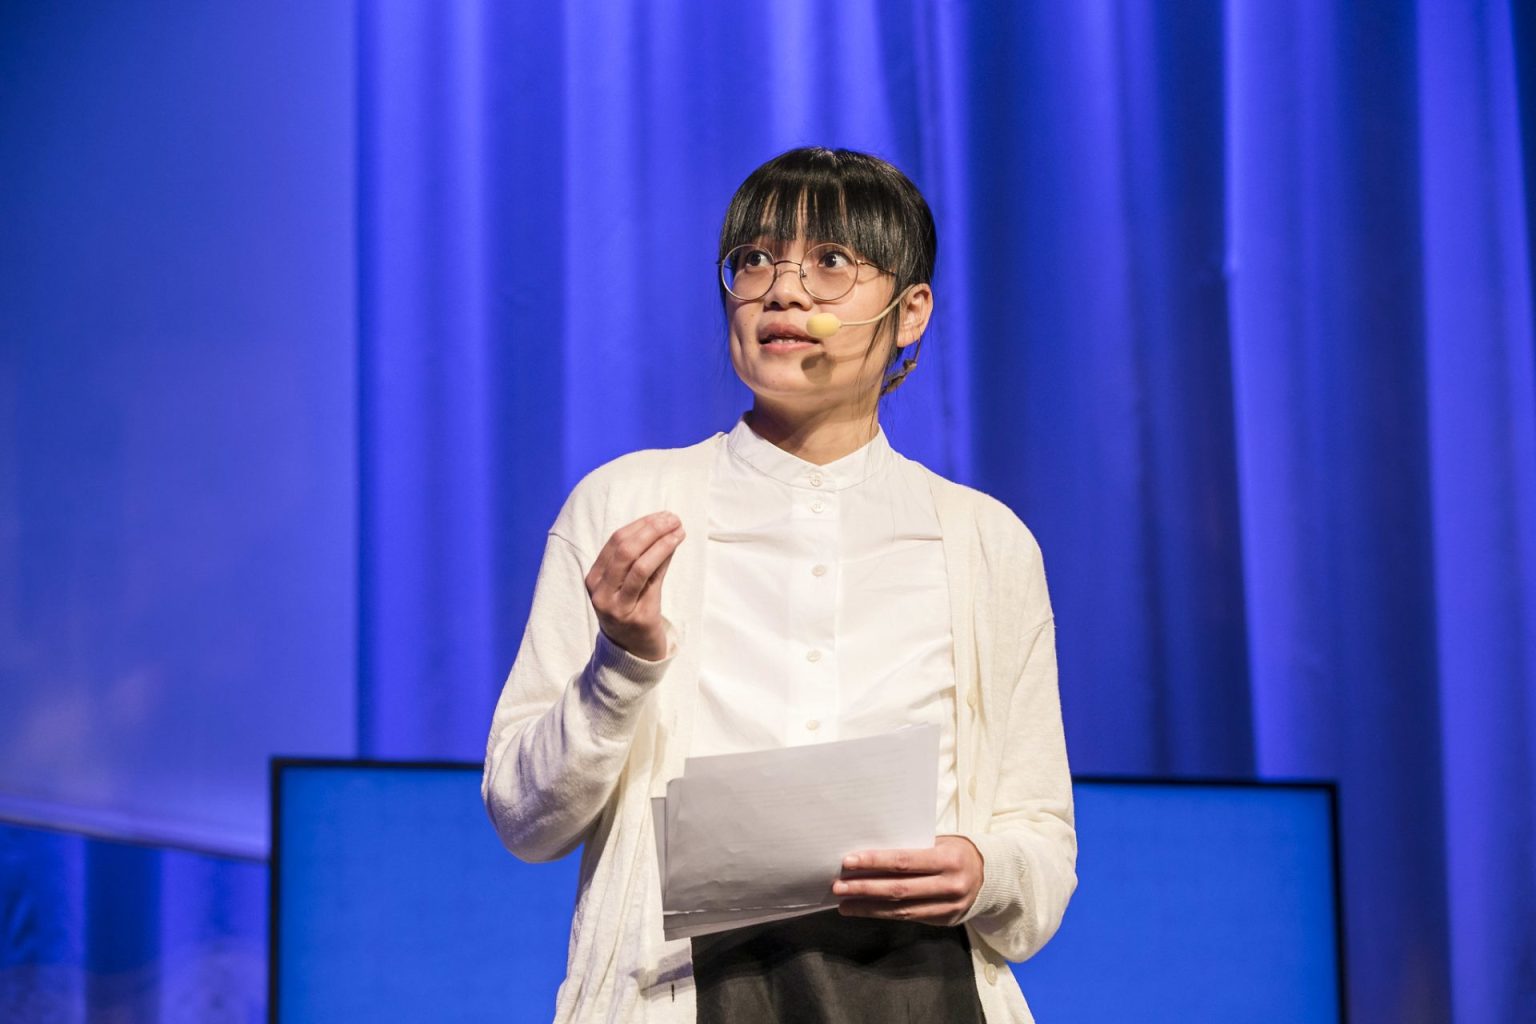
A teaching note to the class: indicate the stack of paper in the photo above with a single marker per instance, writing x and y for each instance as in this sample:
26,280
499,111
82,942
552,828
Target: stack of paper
747,838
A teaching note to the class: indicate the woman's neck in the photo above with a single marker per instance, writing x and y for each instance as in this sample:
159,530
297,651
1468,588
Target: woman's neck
817,438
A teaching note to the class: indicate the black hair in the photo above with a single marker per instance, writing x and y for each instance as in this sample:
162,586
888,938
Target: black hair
843,196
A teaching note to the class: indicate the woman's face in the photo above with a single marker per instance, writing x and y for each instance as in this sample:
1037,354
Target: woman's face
783,365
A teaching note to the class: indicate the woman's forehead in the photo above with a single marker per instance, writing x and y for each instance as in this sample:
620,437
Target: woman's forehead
807,225
780,219
768,240
804,212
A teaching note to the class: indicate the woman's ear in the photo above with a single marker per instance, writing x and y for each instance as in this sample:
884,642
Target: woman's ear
916,307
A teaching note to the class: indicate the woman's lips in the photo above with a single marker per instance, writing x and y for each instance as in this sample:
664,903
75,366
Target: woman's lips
784,338
785,344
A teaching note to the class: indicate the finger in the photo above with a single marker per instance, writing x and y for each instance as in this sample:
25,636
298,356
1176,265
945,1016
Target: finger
630,542
650,597
627,543
648,563
901,887
661,570
935,912
902,862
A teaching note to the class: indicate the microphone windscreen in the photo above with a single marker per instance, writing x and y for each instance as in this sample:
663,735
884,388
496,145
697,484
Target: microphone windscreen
822,326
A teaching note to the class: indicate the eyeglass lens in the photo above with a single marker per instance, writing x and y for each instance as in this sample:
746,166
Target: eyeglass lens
827,270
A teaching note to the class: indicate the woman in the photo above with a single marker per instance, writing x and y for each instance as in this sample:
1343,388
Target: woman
850,592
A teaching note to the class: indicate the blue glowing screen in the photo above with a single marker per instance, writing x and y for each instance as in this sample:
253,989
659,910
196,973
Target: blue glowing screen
1195,903
395,900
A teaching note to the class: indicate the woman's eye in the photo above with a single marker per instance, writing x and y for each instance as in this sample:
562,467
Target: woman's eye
835,259
755,259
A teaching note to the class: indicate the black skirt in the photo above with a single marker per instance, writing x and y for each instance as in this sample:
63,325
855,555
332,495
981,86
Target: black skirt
828,968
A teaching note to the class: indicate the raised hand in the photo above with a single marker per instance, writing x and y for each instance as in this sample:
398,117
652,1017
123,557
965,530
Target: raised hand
625,583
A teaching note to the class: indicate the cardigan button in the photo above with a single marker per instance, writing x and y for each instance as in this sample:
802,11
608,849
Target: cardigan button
991,973
970,699
970,787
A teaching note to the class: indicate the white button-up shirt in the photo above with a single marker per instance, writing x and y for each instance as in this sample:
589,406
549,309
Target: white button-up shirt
826,608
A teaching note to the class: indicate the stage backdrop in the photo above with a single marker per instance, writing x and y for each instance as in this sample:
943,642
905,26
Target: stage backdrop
1234,310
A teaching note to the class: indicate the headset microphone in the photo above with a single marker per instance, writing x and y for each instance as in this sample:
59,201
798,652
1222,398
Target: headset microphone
822,326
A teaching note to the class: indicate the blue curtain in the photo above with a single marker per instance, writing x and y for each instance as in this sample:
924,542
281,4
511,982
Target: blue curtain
177,484
1234,309
94,930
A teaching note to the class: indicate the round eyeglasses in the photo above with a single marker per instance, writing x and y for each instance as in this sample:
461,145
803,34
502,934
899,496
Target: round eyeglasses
827,271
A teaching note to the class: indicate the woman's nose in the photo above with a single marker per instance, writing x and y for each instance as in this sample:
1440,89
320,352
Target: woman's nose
787,288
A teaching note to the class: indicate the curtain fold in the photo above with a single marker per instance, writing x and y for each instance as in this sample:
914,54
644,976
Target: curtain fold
94,930
1234,308
1481,417
1332,406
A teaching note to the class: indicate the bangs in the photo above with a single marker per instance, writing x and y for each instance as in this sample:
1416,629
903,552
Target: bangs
823,195
815,211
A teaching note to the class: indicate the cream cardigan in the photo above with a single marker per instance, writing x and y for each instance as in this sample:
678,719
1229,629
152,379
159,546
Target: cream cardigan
584,734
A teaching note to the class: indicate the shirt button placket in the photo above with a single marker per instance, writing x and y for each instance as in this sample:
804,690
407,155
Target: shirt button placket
820,701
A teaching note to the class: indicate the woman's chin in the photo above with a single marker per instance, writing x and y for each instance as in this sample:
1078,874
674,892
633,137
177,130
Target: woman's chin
804,396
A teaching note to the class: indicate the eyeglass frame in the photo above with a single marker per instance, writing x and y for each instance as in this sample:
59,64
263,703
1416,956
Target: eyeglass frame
800,266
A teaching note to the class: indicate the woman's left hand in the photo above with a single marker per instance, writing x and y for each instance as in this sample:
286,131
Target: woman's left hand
935,886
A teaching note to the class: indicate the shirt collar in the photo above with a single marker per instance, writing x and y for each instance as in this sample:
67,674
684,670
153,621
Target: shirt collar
773,461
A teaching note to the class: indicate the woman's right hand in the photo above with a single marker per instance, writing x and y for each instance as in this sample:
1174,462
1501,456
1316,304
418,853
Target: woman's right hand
625,583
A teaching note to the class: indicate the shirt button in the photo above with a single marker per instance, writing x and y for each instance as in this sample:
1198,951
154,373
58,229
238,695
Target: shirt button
970,788
815,479
818,505
970,699
812,725
991,973
818,570
812,655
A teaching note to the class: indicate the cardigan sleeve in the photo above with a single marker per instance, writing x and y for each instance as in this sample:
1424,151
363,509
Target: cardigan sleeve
1029,847
562,728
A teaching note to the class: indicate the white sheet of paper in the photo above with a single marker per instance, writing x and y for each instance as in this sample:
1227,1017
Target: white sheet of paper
745,838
